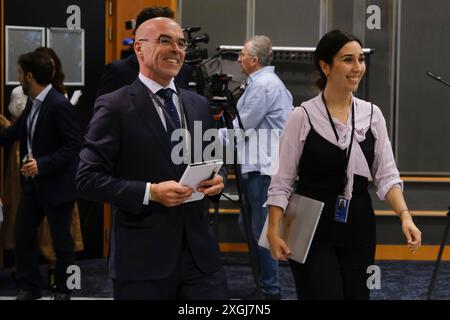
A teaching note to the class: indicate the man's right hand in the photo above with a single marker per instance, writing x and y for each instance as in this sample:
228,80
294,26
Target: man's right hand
170,193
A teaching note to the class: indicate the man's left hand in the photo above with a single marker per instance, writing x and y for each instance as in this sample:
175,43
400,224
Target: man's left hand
211,187
30,169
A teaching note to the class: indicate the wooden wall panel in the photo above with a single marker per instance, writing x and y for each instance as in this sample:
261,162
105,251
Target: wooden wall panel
2,92
2,56
383,252
124,10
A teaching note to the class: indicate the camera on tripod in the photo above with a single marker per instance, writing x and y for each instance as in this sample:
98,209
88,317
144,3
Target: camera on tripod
217,78
220,95
219,84
195,54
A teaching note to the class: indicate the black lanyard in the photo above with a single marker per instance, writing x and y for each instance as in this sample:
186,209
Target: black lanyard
166,114
349,149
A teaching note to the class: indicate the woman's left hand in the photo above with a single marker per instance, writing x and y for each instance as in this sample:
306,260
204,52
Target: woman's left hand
412,234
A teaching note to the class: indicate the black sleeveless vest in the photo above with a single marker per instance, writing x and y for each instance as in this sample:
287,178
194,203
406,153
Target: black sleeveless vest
322,177
321,167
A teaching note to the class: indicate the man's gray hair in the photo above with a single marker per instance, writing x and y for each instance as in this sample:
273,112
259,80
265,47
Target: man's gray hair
261,47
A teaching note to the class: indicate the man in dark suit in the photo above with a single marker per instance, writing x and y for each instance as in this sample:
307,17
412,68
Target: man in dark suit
161,247
50,140
123,72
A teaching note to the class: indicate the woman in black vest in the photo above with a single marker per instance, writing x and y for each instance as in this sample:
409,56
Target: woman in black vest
334,143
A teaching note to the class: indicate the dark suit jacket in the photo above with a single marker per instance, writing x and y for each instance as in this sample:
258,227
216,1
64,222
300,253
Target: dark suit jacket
56,144
120,73
126,147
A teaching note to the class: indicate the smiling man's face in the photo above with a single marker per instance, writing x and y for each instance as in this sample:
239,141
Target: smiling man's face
157,61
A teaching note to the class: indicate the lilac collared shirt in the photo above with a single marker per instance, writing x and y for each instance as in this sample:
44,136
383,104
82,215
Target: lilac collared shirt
292,141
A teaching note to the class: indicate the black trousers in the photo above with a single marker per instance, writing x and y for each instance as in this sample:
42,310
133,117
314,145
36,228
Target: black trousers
187,282
30,213
334,272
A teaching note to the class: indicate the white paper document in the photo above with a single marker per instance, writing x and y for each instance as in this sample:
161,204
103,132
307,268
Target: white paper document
196,173
297,226
75,97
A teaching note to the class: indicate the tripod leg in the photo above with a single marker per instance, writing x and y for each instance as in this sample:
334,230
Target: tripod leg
246,214
439,258
245,208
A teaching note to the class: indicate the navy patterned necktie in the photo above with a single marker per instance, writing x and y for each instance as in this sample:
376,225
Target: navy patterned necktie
171,111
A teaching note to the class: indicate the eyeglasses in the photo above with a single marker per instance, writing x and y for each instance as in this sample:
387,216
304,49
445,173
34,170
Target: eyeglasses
166,41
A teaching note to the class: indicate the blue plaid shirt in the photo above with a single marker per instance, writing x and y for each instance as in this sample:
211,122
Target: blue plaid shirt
264,108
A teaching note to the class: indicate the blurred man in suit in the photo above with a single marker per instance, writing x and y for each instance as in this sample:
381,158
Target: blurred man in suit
50,140
161,247
123,72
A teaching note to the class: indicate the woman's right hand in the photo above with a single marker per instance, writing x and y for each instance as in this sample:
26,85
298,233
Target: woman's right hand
4,123
278,247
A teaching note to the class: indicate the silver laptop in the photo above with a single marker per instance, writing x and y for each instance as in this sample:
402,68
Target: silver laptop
298,226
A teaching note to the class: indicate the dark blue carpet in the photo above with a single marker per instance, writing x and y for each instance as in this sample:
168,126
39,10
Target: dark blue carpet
400,280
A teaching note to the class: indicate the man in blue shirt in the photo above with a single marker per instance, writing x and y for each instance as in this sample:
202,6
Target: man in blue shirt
263,108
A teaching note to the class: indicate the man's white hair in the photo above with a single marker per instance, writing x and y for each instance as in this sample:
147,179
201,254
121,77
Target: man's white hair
261,47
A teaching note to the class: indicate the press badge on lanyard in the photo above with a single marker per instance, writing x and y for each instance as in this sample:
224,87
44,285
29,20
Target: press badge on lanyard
342,203
341,211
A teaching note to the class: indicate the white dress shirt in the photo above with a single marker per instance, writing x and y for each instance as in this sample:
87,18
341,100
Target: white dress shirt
34,114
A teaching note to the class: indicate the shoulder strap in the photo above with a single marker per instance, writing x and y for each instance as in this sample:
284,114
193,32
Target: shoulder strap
309,119
371,114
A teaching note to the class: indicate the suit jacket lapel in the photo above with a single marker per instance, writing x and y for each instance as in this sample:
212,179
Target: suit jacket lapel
25,114
192,115
188,113
42,111
26,111
143,104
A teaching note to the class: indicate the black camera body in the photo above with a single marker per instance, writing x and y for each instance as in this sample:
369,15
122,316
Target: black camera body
220,95
210,78
195,54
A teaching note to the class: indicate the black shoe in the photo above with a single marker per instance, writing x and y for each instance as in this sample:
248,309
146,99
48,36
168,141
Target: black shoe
16,279
28,295
61,296
51,279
